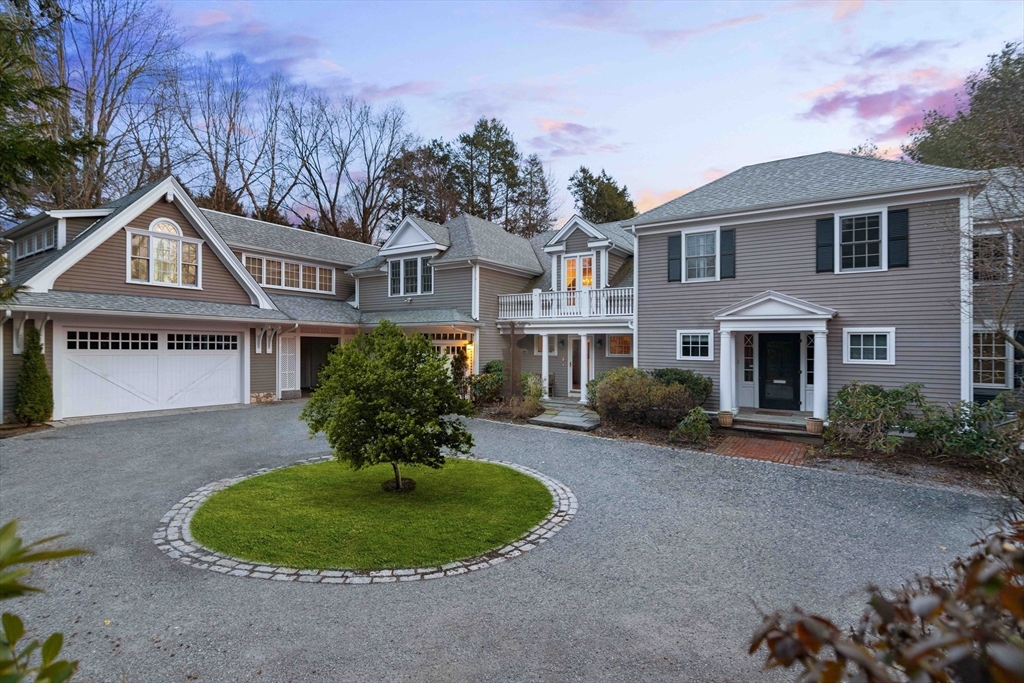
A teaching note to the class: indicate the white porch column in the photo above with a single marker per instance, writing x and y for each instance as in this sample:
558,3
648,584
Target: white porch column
820,374
584,366
726,373
544,365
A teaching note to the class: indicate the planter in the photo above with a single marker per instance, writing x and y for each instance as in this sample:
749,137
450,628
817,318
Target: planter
724,418
815,426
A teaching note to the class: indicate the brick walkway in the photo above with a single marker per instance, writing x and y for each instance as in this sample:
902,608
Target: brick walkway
772,450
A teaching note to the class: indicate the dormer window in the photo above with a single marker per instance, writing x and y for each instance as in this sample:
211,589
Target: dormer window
410,276
162,256
37,242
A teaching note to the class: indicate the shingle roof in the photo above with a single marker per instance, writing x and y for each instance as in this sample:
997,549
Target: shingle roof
617,234
419,316
22,275
538,242
126,303
311,309
473,237
435,231
816,177
369,265
1002,198
623,277
249,232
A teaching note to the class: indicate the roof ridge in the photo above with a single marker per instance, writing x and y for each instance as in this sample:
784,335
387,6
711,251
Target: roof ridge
286,227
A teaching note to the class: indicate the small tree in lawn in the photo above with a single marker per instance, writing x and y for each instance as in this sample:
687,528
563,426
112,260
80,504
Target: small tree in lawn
388,397
33,390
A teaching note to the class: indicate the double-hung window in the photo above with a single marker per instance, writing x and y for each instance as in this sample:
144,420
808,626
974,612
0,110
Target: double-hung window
860,242
993,361
701,255
869,345
410,276
162,256
620,345
694,345
281,274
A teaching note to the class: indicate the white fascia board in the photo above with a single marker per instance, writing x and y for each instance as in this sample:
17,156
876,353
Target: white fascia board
407,223
412,249
140,314
599,243
80,213
506,268
556,249
841,205
572,224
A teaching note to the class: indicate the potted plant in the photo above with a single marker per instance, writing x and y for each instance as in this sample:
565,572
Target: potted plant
815,426
724,418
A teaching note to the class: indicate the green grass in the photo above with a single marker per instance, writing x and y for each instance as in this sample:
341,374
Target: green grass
328,516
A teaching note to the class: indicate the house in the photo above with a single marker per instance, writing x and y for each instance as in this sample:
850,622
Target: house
151,303
786,280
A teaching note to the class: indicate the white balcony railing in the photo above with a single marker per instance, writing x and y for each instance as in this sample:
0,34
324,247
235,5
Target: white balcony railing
614,302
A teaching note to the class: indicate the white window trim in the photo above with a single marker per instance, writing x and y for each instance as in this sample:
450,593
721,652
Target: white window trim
1009,358
419,275
837,237
23,250
718,253
711,344
608,346
579,269
262,280
164,236
552,345
164,220
890,353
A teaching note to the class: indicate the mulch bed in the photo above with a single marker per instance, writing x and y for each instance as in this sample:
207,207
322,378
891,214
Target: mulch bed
16,429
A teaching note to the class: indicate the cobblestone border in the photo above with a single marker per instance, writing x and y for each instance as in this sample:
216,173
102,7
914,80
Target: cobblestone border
174,538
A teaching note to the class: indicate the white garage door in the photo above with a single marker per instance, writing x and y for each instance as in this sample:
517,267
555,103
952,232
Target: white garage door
123,371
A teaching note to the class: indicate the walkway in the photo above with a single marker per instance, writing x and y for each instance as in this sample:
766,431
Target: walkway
771,450
567,414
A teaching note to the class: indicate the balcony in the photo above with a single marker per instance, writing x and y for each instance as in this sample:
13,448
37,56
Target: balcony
614,302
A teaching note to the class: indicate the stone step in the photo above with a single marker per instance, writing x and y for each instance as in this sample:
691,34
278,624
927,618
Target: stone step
581,423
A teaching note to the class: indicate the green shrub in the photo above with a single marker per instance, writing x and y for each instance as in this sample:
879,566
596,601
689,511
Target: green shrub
699,385
522,408
630,396
33,390
493,367
966,429
592,390
532,387
866,416
694,428
485,387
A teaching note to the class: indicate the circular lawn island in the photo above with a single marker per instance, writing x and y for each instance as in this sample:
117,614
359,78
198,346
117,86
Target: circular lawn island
328,516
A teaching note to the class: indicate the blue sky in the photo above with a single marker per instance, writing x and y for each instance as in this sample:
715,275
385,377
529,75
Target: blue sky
665,96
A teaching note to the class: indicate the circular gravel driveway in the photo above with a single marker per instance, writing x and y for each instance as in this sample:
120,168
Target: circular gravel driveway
653,580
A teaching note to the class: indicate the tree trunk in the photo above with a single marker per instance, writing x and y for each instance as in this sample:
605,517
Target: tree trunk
398,477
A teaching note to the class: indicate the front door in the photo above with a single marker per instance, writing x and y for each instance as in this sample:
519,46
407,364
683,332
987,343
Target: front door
779,361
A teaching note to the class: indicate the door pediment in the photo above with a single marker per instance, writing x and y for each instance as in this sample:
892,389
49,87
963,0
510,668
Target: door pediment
774,306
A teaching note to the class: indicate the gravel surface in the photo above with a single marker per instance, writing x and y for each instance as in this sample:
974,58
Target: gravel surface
653,580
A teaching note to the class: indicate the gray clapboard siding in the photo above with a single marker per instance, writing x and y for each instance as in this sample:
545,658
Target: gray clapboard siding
493,283
558,365
262,367
104,269
453,288
920,301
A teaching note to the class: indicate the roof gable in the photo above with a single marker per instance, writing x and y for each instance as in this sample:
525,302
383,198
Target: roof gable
772,305
414,234
127,209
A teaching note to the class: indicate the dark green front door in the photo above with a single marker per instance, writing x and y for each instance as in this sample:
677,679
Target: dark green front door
779,360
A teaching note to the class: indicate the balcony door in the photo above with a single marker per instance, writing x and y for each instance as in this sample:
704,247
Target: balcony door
578,272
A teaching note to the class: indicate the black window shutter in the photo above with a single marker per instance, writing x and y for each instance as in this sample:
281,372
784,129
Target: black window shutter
675,258
826,255
899,238
728,253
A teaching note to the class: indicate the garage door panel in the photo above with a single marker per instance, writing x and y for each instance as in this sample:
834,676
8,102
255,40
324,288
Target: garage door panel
97,385
150,371
201,379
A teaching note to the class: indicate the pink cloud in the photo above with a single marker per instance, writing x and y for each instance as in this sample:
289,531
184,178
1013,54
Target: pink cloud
211,16
713,174
662,37
648,199
568,139
898,54
846,8
409,88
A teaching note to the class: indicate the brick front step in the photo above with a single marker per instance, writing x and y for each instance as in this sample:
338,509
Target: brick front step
771,450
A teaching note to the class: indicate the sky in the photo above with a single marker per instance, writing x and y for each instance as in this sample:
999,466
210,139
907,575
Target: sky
666,96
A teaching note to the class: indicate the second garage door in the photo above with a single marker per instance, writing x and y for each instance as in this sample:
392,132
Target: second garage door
113,371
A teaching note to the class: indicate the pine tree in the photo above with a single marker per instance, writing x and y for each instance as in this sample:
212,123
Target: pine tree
33,390
534,209
599,199
488,169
